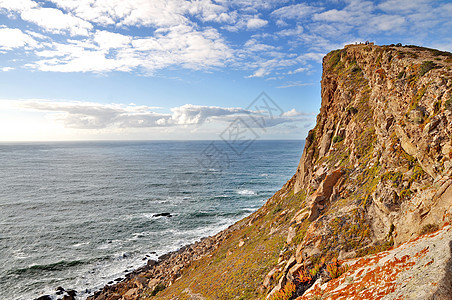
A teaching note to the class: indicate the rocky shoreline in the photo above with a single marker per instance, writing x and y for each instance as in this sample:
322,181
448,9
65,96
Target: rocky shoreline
155,275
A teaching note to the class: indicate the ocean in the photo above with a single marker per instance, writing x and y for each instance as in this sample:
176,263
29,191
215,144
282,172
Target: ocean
81,214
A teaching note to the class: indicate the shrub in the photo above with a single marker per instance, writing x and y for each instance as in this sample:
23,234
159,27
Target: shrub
158,288
401,75
337,139
405,194
429,228
285,293
335,270
427,66
448,104
352,110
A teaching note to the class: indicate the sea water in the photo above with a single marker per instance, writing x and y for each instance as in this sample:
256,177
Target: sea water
81,214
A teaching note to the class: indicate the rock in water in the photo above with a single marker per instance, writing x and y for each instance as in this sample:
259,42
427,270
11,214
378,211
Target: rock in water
168,215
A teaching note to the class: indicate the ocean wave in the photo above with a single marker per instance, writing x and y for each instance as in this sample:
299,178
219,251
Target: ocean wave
246,192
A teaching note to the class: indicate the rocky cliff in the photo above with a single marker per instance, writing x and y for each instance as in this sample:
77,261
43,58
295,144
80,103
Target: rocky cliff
366,214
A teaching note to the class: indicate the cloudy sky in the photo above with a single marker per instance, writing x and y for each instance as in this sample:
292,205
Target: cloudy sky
176,69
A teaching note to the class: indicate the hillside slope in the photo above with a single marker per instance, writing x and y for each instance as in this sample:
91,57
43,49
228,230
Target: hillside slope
376,173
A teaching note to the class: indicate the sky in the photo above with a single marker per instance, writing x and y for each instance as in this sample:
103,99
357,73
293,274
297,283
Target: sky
185,70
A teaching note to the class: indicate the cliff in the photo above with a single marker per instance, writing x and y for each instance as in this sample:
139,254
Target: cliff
365,216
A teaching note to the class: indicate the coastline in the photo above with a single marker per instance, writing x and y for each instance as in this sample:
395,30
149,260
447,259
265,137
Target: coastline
158,274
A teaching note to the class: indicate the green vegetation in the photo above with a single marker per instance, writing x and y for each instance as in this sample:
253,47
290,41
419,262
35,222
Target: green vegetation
448,104
335,270
335,58
395,177
337,139
285,293
158,288
427,66
352,110
429,228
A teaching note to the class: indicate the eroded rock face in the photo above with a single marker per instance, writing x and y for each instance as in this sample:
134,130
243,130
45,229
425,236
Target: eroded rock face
419,269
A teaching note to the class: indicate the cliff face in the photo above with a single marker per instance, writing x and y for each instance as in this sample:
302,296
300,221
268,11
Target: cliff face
376,173
386,124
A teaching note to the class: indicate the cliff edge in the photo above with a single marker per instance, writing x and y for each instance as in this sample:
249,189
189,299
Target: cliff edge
366,216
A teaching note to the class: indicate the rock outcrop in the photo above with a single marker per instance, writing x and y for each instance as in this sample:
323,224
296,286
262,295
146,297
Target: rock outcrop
375,174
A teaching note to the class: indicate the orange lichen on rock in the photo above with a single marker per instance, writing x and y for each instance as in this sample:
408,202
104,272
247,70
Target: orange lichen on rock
391,274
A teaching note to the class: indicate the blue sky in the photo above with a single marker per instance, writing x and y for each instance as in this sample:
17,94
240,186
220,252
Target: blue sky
175,69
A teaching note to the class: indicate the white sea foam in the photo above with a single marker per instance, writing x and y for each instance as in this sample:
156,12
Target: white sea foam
246,192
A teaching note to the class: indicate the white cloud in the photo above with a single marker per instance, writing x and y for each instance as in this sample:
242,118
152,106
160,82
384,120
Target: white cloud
398,6
189,114
294,113
90,115
180,46
296,11
7,69
293,84
108,40
55,21
15,5
298,71
261,72
11,38
387,22
298,30
256,23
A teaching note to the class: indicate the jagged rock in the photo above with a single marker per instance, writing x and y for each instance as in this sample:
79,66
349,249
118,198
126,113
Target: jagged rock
323,193
270,277
291,235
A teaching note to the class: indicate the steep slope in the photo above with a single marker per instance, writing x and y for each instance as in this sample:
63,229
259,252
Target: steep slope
376,172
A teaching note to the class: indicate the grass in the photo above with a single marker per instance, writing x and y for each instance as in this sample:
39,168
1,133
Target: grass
426,67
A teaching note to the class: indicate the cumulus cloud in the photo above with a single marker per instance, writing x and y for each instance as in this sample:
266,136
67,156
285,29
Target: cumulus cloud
55,21
11,38
180,45
256,23
17,5
89,115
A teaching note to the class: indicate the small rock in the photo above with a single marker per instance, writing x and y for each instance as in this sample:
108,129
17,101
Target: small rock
168,215
141,282
72,293
151,263
131,294
153,283
44,297
291,235
241,243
